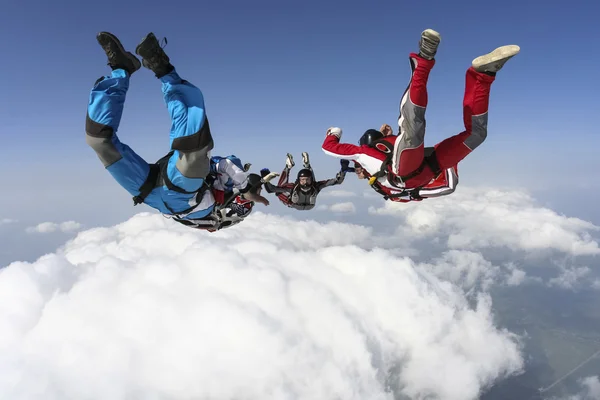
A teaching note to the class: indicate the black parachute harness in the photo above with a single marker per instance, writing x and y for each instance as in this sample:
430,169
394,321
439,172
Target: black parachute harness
429,160
217,219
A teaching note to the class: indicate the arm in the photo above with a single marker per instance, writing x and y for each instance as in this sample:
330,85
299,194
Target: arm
282,187
226,170
278,189
333,147
255,197
339,178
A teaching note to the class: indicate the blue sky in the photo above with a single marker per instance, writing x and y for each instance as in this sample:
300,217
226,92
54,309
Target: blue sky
276,75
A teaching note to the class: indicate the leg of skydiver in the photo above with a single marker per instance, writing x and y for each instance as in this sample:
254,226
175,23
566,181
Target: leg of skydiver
306,160
306,164
104,112
190,135
479,79
409,146
285,188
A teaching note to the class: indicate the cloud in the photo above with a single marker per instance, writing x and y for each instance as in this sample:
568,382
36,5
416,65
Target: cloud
276,308
340,208
590,390
337,193
472,272
4,221
49,227
472,219
464,268
516,276
570,277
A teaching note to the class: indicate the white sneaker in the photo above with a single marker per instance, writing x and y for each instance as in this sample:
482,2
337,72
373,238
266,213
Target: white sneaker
430,40
305,160
289,161
494,61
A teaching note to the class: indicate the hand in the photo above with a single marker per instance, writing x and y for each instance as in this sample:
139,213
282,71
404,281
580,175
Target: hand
386,130
269,177
257,198
345,164
262,200
335,131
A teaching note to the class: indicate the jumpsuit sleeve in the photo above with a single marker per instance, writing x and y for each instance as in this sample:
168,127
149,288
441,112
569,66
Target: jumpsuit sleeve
339,178
227,169
333,147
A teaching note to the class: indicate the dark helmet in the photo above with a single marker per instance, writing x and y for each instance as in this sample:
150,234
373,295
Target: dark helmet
369,137
305,173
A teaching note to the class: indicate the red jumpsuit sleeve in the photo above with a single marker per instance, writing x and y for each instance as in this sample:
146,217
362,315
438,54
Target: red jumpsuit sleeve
333,147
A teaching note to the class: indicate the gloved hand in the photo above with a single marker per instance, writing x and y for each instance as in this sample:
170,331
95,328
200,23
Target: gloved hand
346,166
269,177
335,131
386,130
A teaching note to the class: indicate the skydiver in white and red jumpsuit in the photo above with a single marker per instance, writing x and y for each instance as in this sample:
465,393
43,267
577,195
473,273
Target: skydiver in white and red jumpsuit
407,176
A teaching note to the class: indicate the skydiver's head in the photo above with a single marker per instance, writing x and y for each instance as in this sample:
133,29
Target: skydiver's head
359,170
369,137
305,179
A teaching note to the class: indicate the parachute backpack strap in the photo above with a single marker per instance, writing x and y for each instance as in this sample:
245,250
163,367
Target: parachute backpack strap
432,161
388,149
148,184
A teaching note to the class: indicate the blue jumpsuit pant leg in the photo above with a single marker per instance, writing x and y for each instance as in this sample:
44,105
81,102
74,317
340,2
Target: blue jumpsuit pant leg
104,112
190,137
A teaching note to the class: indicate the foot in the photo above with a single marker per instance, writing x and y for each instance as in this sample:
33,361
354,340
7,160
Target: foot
289,161
305,160
493,62
118,58
247,167
428,45
153,56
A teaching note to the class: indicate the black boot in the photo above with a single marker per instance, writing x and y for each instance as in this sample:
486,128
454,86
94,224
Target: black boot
117,56
153,56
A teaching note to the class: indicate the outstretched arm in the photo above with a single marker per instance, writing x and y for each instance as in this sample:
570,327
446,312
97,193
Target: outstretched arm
333,147
282,187
339,177
226,168
278,189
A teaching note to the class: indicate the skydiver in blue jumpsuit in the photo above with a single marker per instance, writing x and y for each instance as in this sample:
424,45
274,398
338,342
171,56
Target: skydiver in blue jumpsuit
178,185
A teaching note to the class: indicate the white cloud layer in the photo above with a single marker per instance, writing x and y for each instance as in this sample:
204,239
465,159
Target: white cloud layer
4,221
337,193
276,309
472,219
590,390
339,208
49,227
